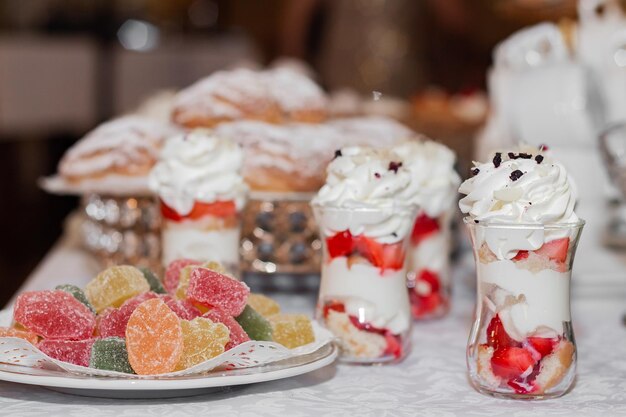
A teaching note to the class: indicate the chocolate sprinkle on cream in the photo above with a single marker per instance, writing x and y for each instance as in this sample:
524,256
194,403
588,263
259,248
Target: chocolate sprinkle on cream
524,155
512,155
516,175
394,166
376,174
539,159
497,159
475,172
338,153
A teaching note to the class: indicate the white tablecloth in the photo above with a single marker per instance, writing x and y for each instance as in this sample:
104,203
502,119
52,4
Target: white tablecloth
432,381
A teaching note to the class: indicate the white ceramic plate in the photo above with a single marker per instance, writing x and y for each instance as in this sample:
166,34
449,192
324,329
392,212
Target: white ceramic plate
167,387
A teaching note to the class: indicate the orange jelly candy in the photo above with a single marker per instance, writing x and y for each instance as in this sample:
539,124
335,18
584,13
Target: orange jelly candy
22,334
154,338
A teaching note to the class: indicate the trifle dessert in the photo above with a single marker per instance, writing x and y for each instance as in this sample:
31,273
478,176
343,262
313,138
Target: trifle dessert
433,189
364,225
520,213
201,193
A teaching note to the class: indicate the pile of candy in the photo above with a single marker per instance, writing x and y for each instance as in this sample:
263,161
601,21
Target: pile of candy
127,320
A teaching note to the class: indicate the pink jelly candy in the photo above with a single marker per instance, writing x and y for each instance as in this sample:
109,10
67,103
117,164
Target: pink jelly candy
72,351
212,289
172,273
54,314
183,309
113,321
237,333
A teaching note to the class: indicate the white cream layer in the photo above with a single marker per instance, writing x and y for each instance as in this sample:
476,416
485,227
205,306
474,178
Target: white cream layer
431,253
182,240
379,299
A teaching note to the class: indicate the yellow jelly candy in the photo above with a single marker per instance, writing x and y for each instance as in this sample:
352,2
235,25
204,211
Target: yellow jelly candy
202,340
115,285
185,276
292,330
263,305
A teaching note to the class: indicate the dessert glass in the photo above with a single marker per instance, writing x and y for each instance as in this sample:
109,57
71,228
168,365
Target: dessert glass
363,298
210,232
428,276
522,343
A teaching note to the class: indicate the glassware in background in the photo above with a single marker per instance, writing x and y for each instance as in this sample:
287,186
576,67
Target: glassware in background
363,298
522,343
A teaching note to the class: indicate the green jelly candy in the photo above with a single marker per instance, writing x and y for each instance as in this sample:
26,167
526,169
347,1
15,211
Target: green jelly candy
257,327
153,281
77,293
110,354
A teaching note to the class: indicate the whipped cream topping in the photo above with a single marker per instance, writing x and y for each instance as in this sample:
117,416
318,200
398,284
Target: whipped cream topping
198,166
519,187
368,180
433,179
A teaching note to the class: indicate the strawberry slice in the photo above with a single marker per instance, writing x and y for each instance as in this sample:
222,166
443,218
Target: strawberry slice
521,255
169,213
424,305
340,244
543,345
394,347
424,226
497,337
555,249
382,255
431,278
334,306
199,210
511,362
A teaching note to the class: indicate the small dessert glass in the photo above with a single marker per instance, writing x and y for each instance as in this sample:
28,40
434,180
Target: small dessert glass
428,276
363,298
210,232
522,343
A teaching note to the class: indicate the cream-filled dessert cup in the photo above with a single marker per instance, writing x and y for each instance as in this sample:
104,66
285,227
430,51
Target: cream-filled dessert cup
524,236
365,229
202,194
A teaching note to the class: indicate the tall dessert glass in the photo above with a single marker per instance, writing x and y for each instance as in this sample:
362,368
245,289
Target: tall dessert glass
522,342
363,298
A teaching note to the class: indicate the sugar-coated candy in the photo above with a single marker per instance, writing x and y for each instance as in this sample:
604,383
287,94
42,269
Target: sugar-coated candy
172,273
263,305
153,281
185,277
292,330
237,334
183,308
212,289
72,351
112,321
22,334
54,314
154,338
115,285
202,340
110,354
254,324
77,293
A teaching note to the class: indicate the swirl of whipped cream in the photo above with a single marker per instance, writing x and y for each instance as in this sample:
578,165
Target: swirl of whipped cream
367,182
519,188
434,181
198,167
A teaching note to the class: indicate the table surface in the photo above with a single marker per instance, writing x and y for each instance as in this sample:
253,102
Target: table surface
431,381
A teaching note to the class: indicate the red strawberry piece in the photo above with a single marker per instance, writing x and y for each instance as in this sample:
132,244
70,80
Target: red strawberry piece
393,256
555,249
394,347
431,278
341,244
511,362
216,209
384,256
424,226
334,306
497,337
521,255
169,213
543,345
365,326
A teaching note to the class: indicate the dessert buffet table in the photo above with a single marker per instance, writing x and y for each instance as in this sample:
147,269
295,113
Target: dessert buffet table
431,381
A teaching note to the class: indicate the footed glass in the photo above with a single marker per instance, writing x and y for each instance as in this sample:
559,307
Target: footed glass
522,343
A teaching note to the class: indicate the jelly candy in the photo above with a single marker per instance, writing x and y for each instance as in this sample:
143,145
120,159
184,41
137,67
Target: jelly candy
110,354
115,285
22,334
183,308
153,281
263,305
202,340
254,324
113,321
77,293
212,289
54,314
172,273
292,330
154,338
237,334
185,277
72,351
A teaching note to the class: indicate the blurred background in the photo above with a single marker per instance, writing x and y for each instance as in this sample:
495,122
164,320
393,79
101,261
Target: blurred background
66,65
